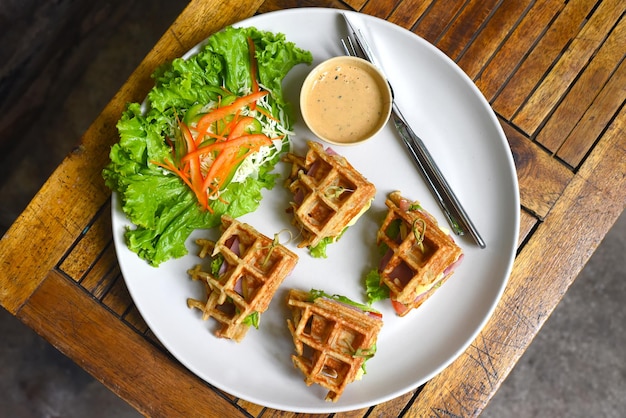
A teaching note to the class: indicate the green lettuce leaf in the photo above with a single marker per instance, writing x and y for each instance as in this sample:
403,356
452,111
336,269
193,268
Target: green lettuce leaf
162,209
375,290
316,293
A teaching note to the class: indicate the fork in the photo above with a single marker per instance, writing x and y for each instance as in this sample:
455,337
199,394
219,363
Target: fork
356,45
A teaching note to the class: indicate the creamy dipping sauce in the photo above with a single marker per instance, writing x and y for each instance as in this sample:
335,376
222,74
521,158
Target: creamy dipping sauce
345,100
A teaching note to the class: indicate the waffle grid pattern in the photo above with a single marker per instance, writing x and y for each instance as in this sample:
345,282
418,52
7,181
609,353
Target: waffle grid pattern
256,266
328,193
332,341
420,254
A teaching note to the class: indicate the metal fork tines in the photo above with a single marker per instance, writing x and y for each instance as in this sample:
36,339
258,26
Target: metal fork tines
356,45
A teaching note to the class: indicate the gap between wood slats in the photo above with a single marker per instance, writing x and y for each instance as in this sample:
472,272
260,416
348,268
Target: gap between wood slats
515,48
89,245
466,27
541,275
540,53
568,67
491,36
602,71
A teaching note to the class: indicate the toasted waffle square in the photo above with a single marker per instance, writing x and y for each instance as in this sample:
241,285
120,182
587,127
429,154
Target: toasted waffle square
332,340
249,267
329,194
420,255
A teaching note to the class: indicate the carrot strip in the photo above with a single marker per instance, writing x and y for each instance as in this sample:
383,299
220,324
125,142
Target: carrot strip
218,171
221,112
170,167
194,167
253,68
240,128
248,141
231,144
228,127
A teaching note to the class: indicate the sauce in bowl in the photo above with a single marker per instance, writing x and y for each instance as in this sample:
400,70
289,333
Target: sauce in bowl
345,100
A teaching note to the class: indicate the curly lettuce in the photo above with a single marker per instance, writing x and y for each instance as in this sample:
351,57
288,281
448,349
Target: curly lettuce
163,210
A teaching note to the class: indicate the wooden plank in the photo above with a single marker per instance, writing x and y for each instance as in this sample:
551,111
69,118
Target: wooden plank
595,119
394,407
527,224
24,261
492,36
585,90
274,5
466,26
90,245
103,275
542,55
541,178
357,413
252,408
542,273
381,9
201,19
117,299
134,319
273,413
436,19
508,58
558,81
131,367
357,4
408,12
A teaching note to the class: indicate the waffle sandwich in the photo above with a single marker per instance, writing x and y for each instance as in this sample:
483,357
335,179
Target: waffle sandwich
329,195
419,256
246,269
333,338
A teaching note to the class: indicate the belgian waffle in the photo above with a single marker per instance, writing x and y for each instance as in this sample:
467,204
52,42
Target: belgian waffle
253,267
420,255
329,194
332,340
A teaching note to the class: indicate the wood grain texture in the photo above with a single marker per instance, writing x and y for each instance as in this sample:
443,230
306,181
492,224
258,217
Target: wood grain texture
272,6
541,178
554,72
601,69
602,110
491,37
511,57
568,66
407,13
83,329
467,23
555,28
542,273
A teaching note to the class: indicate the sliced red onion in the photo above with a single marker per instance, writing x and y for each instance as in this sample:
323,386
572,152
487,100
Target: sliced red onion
311,171
239,286
385,259
234,247
402,272
298,196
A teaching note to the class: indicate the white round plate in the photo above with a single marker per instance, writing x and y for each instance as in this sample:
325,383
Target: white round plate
459,127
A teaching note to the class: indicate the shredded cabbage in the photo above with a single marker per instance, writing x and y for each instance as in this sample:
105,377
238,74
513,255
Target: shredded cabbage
163,210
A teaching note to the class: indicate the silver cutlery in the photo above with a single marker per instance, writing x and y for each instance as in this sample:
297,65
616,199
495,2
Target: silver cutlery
356,45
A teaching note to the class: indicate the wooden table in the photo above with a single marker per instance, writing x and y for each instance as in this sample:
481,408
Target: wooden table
554,73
